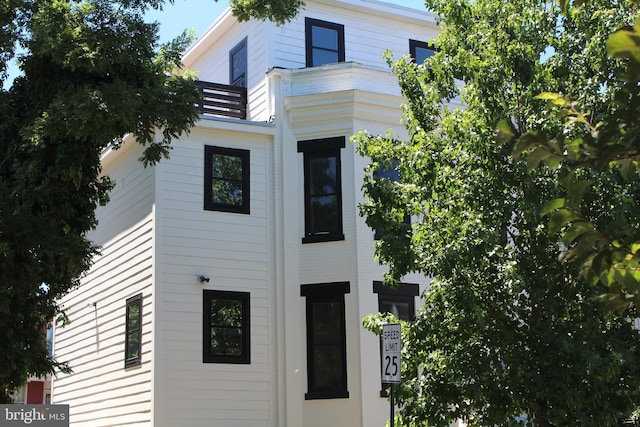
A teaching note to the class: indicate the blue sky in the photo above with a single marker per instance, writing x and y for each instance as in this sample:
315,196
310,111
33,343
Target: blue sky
185,14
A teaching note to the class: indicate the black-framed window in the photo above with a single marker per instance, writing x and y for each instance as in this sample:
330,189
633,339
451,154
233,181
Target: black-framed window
324,42
225,324
420,50
391,174
238,64
399,301
326,340
226,179
322,189
133,332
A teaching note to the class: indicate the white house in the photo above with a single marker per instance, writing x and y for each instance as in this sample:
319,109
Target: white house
233,277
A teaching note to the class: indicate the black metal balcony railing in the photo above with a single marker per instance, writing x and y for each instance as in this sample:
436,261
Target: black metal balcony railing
222,100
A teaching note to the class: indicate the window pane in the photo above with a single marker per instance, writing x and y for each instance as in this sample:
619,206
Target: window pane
228,167
239,65
324,215
133,345
226,312
391,173
402,310
133,330
226,192
327,349
226,341
321,56
133,317
422,54
325,38
327,365
322,176
326,321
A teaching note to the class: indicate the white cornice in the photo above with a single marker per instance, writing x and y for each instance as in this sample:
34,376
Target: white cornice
347,108
384,9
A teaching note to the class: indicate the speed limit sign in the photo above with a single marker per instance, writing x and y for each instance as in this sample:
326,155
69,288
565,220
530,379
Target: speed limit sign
391,345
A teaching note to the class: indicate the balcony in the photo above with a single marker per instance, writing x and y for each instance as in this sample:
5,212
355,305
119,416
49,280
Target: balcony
222,100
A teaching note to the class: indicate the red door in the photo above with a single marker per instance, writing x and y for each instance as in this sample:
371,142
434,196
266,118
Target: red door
35,392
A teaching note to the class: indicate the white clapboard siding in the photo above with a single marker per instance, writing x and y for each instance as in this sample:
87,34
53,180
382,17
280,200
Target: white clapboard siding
100,392
232,250
367,35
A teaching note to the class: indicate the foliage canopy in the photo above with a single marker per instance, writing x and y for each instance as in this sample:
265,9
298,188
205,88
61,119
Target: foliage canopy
92,73
606,251
508,330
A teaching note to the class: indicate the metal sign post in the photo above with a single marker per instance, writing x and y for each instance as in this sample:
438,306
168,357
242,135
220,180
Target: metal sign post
391,345
392,406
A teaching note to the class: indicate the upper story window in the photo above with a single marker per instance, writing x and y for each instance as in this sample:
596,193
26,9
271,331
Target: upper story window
322,189
226,179
133,332
326,340
238,64
400,302
324,42
420,50
390,174
225,327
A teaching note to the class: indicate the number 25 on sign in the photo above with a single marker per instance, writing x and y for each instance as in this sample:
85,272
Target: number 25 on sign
391,345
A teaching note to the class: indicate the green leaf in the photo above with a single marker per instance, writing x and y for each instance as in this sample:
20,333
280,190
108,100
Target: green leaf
505,132
559,219
528,140
625,277
576,191
624,43
575,230
601,262
574,149
554,99
590,242
628,168
553,205
541,154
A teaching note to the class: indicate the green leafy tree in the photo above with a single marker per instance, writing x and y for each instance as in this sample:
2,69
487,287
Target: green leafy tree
92,72
587,144
508,331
